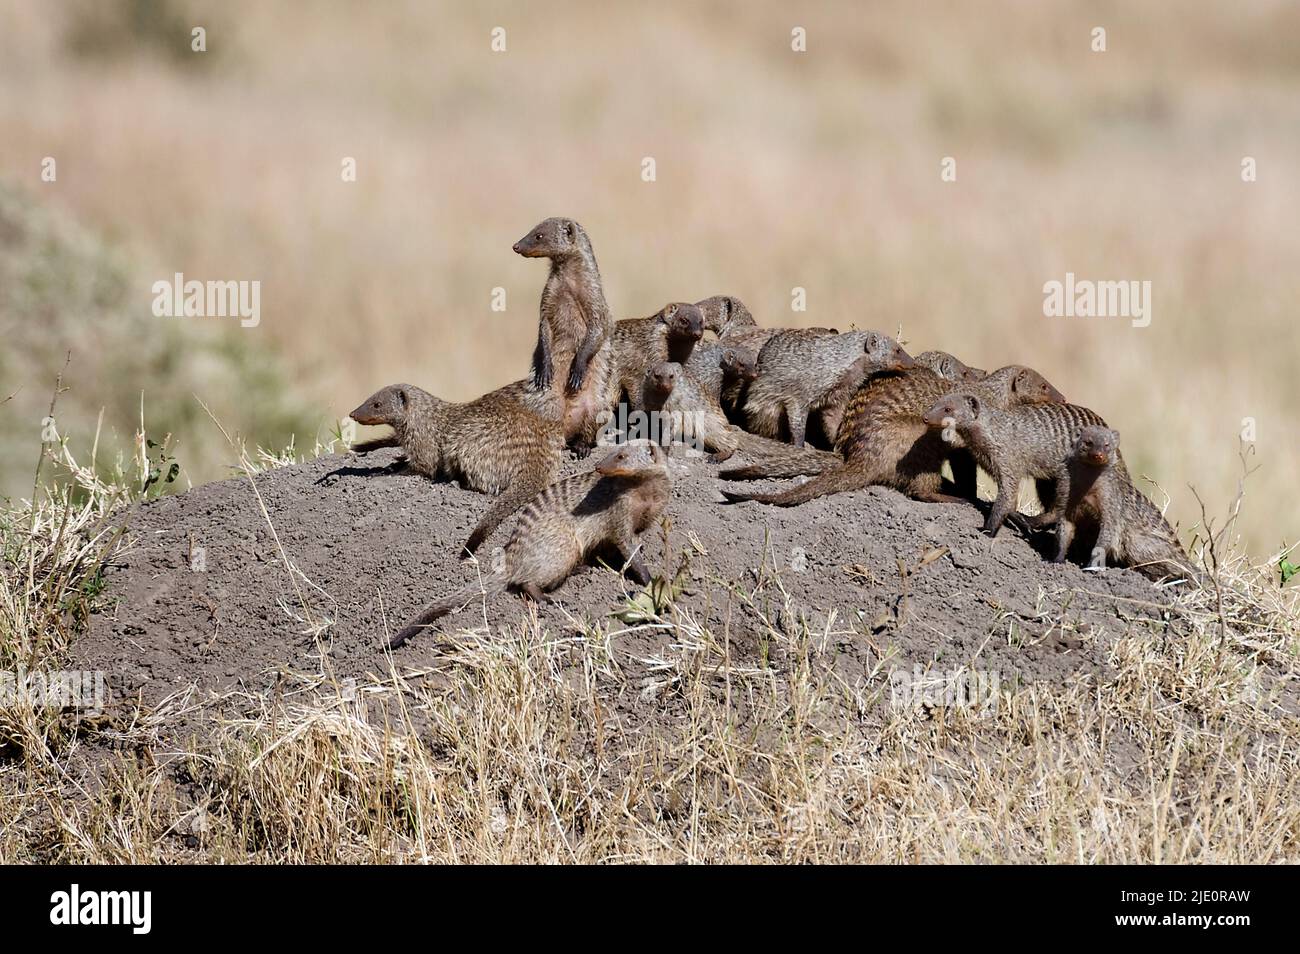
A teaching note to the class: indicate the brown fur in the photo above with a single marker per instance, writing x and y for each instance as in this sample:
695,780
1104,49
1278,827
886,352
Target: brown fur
670,334
726,315
686,412
1099,495
576,329
494,444
605,509
804,371
1012,443
884,439
950,366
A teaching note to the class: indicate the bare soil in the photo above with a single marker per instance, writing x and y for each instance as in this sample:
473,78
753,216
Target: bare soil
202,595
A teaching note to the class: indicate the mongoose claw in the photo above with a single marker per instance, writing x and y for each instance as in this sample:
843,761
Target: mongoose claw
576,377
1021,523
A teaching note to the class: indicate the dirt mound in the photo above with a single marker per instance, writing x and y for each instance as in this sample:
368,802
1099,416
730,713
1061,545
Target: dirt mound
203,595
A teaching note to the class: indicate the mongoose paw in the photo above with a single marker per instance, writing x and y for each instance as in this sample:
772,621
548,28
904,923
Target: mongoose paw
397,641
541,379
1022,523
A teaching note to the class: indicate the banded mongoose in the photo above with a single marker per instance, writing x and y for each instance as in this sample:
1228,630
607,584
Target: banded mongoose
804,370
602,510
575,330
726,315
739,368
682,413
493,444
639,344
1130,530
950,366
1030,441
884,439
782,460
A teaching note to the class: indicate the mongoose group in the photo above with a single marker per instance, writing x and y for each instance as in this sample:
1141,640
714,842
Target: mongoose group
655,385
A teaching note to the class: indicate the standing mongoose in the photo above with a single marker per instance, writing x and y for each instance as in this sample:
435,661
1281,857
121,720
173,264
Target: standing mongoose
603,510
494,444
885,440
576,328
803,371
1130,530
1013,443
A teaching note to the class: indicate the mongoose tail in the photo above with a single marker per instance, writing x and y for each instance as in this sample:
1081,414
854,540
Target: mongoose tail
836,481
436,611
769,458
503,506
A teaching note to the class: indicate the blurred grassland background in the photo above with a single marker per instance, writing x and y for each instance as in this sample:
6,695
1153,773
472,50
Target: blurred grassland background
775,170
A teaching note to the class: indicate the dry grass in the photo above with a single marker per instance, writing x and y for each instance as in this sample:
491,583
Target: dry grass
519,746
774,171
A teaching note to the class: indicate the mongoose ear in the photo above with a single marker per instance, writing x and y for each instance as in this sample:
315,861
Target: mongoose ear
1075,435
401,396
1114,436
973,403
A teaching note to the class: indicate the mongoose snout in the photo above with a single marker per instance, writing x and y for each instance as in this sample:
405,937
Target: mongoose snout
952,410
686,322
386,406
548,239
662,378
887,354
632,460
1097,445
739,365
1031,387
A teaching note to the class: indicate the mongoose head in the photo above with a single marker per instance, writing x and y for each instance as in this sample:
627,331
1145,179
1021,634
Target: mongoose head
634,459
685,321
386,406
1030,387
662,378
553,238
1096,445
954,410
885,353
739,364
949,366
721,310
